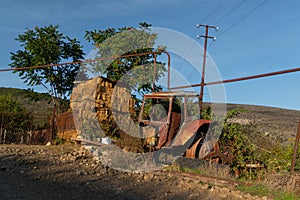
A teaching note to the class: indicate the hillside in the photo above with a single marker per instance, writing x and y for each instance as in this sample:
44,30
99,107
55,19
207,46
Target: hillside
39,104
269,124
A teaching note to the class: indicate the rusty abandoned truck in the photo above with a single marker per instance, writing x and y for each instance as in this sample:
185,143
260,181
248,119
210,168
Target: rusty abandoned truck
174,129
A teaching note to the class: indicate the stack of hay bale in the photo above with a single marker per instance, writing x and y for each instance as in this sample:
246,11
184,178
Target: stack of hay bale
104,108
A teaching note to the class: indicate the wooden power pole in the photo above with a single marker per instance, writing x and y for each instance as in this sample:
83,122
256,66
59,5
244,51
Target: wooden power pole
206,36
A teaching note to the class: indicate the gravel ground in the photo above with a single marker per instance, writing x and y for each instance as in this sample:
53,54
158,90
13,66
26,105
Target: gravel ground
69,172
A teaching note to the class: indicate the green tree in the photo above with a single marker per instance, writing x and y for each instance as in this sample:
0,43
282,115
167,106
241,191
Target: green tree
13,116
43,46
113,42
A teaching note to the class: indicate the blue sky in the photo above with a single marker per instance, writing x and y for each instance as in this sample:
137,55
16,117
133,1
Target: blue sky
266,40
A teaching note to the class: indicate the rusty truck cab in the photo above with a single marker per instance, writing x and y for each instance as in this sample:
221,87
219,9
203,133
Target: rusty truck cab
167,120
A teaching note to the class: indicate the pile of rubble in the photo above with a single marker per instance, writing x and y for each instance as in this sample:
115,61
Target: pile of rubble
71,171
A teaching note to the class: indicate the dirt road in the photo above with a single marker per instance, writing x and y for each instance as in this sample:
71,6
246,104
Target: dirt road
69,172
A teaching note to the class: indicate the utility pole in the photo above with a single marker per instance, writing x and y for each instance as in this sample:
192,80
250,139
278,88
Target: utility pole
206,36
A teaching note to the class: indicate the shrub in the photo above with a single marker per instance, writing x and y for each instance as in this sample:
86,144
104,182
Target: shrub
235,140
13,116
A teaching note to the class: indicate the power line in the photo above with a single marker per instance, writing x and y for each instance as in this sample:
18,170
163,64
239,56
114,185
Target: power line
242,18
229,12
236,22
212,12
186,48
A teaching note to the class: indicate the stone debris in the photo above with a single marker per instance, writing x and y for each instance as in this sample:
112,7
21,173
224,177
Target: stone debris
59,172
48,144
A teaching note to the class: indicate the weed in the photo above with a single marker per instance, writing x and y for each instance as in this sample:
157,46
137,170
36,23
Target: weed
262,190
58,141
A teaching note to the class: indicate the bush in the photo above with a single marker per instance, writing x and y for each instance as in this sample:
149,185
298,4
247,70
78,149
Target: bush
234,139
279,158
58,141
13,116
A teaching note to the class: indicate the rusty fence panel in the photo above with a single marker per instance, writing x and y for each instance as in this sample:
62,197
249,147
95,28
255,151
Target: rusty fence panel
37,133
65,125
30,132
25,137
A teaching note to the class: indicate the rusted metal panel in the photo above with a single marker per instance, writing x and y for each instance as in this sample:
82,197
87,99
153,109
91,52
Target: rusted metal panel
195,125
191,152
65,122
188,131
167,132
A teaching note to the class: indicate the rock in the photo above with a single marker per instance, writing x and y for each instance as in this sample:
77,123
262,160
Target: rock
248,196
31,152
168,192
149,176
223,195
48,143
82,172
41,151
146,177
236,195
226,190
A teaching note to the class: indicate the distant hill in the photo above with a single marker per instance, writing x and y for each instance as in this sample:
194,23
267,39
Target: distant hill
39,104
269,125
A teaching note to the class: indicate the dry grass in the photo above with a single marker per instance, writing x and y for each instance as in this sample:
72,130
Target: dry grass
269,125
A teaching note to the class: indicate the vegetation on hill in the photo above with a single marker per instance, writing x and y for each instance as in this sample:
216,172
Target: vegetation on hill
260,146
13,116
39,105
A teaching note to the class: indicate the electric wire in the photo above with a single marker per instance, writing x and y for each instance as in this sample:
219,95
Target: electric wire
213,12
222,18
229,12
241,19
187,46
